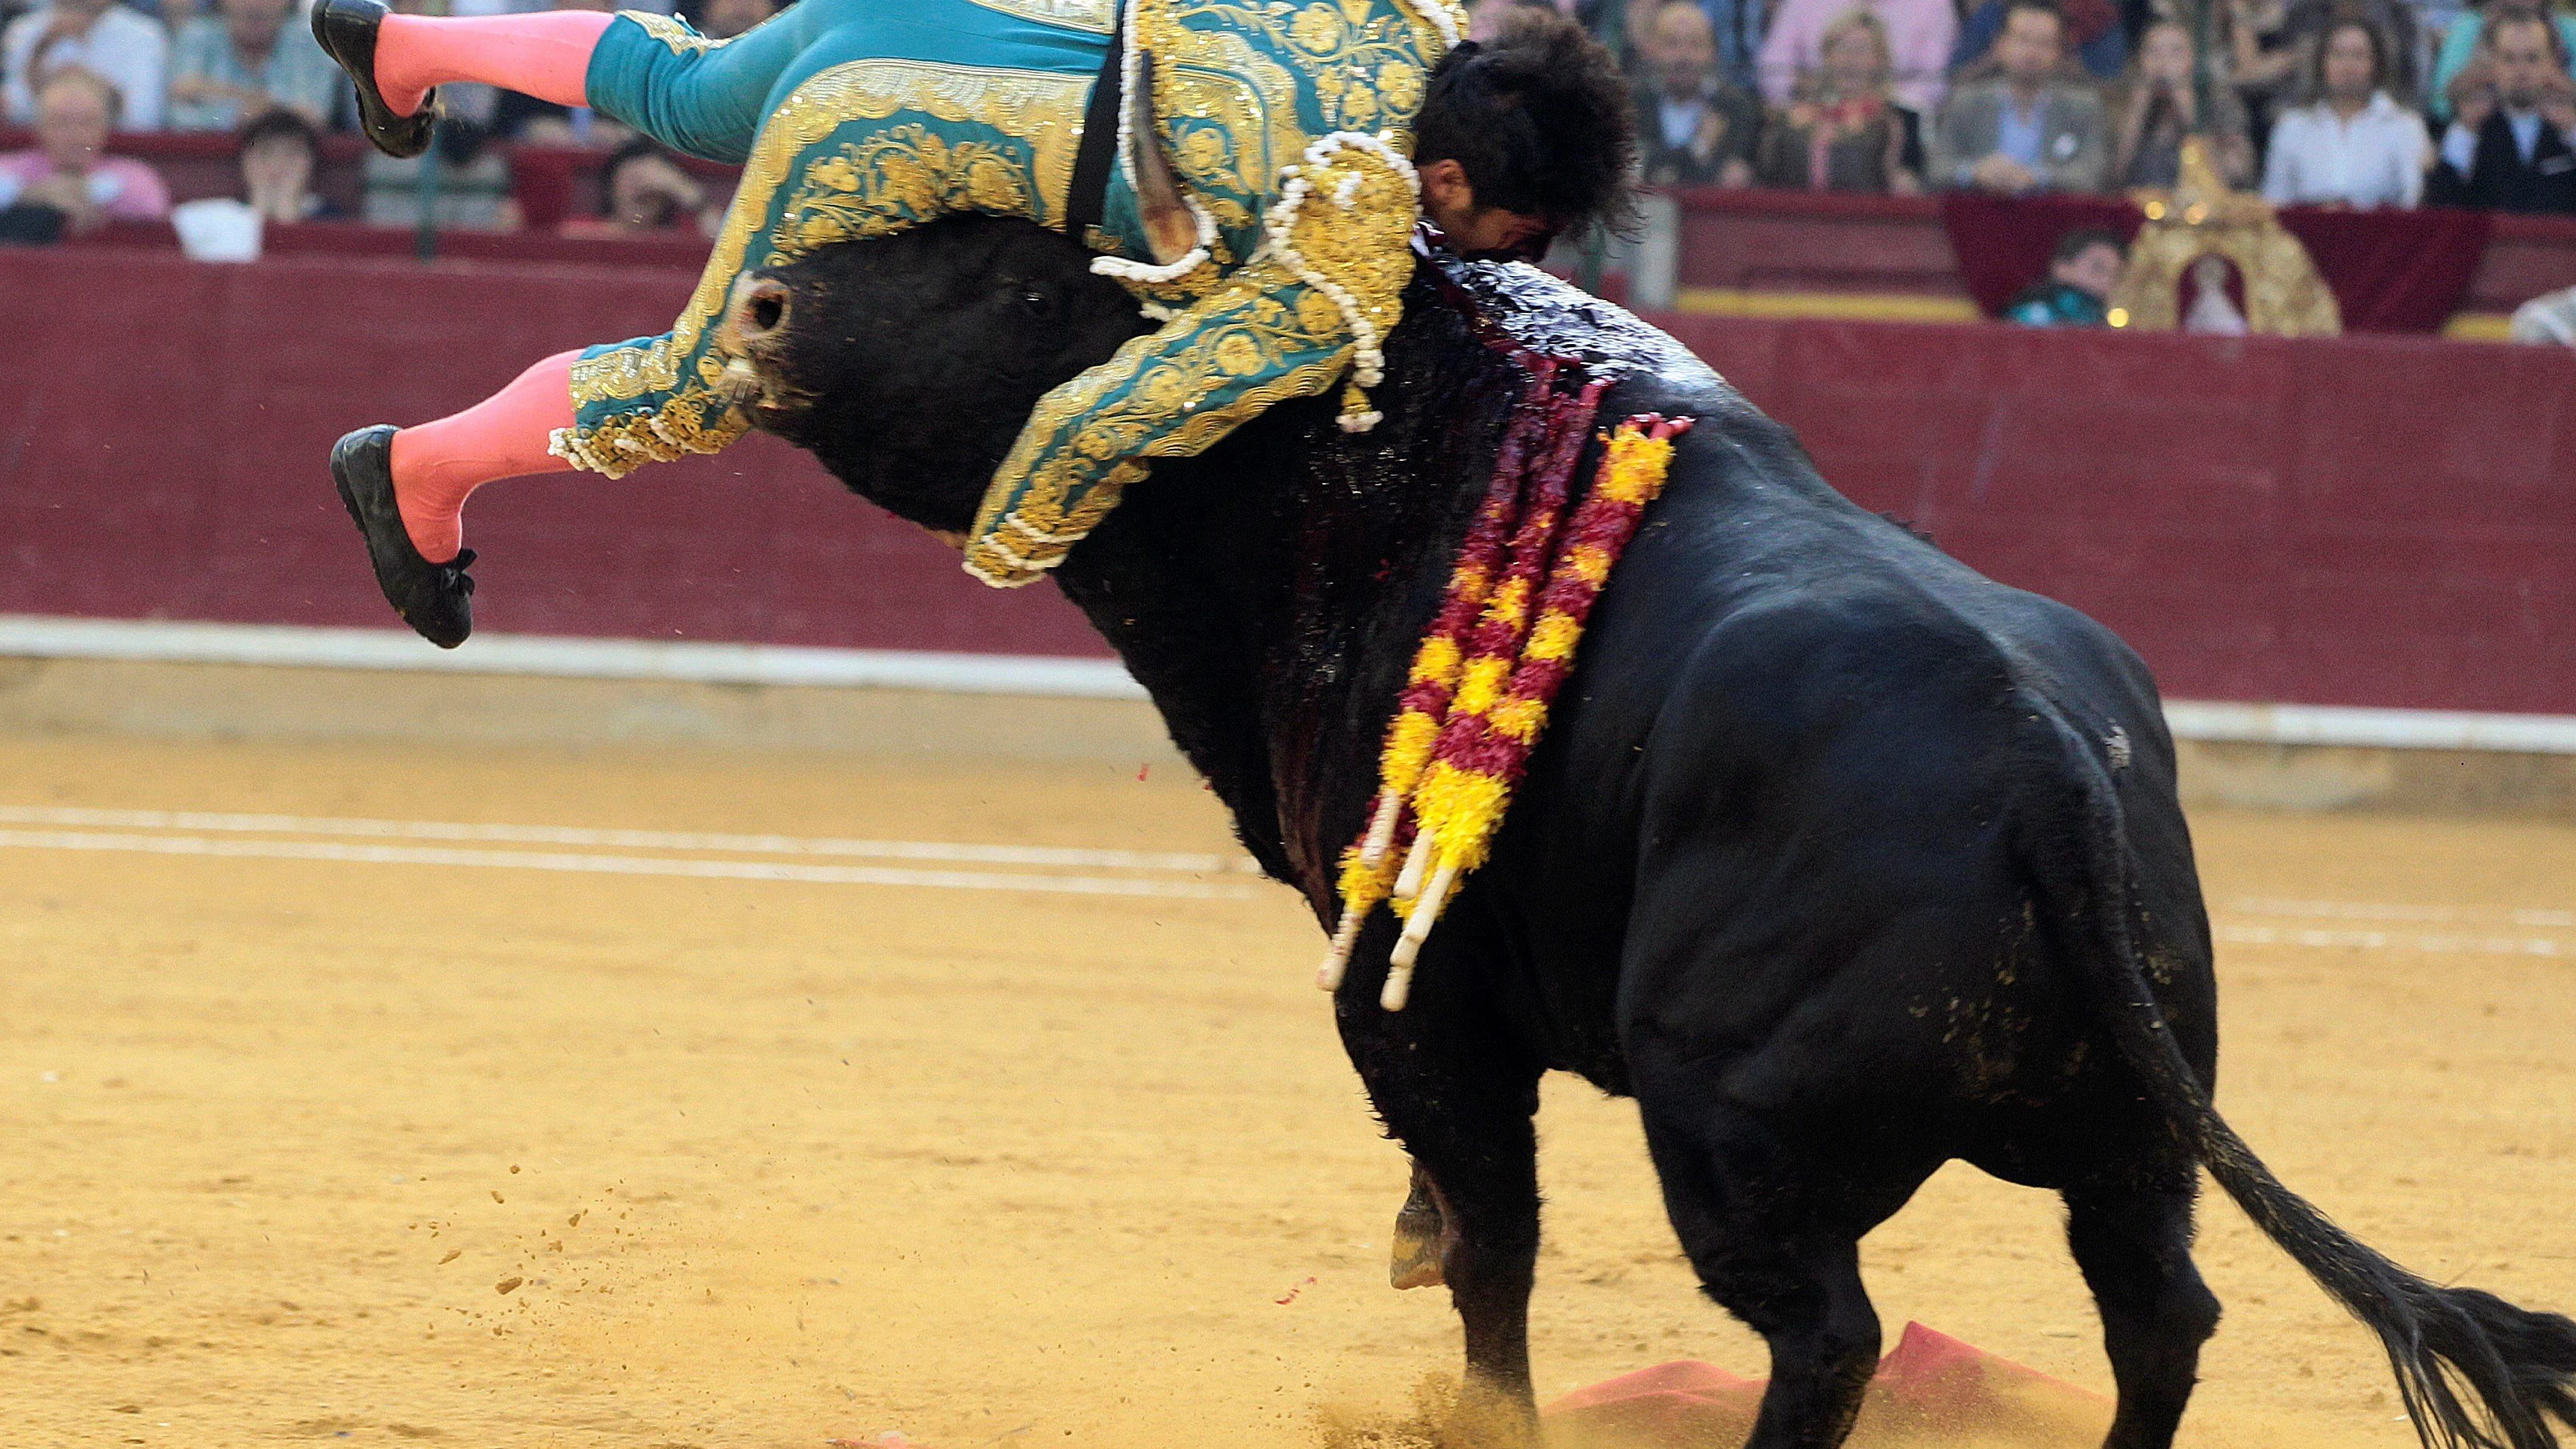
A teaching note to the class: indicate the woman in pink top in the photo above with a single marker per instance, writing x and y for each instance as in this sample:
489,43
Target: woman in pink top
74,113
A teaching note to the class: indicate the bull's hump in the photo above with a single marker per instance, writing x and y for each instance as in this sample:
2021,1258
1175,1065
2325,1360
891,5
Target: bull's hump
1557,319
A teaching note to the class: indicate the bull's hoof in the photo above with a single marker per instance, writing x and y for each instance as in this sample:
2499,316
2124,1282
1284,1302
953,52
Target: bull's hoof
436,599
347,32
1422,1238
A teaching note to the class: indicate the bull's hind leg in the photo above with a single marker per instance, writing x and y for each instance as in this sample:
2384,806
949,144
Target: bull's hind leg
2133,1242
1779,1247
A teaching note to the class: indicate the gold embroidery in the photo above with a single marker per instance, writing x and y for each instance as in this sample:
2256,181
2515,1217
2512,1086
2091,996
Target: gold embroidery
681,39
1045,498
892,181
1029,106
1091,15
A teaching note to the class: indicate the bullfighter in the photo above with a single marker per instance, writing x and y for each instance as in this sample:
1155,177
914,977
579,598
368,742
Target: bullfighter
1252,170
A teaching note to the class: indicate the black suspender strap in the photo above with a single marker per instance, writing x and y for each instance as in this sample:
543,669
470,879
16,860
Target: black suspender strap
1090,199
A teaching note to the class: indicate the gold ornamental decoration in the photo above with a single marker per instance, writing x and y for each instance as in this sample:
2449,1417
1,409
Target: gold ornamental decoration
2200,217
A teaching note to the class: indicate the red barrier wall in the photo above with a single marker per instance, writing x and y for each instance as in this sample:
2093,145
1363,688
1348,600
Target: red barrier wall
2364,521
166,426
2367,521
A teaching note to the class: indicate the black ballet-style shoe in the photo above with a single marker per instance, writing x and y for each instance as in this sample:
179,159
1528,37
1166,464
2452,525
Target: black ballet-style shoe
347,30
436,599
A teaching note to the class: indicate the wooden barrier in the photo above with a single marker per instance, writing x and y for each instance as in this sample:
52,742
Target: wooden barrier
2377,521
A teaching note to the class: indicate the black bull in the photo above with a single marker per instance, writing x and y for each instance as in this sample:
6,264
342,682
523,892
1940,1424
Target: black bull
1842,859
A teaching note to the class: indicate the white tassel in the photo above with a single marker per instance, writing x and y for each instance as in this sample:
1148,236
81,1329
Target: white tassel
1381,831
1337,962
1408,884
1417,929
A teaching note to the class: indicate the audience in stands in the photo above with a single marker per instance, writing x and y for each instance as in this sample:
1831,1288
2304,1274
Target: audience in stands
2077,290
543,123
1918,34
2351,145
643,192
2159,104
1846,131
470,190
69,173
279,150
2511,144
2092,32
2028,129
127,49
1696,128
725,19
2460,48
249,57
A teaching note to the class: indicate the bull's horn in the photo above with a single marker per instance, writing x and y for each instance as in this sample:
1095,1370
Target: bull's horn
1170,230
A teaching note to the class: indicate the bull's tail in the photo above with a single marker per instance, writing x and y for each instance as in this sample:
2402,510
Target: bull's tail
2475,1372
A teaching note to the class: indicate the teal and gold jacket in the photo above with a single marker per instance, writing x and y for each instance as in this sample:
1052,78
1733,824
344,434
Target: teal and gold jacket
1262,206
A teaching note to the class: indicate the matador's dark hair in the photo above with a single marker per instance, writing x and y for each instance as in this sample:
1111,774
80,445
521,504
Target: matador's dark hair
1541,120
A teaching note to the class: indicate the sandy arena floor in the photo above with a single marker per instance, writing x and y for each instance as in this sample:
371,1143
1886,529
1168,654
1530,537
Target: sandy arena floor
327,1132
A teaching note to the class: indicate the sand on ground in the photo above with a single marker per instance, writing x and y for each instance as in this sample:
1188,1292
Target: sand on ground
379,1145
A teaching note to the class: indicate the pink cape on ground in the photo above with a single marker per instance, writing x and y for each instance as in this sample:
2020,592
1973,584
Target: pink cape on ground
1932,1391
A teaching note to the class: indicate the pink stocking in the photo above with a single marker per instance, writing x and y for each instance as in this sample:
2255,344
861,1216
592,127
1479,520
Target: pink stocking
437,465
546,55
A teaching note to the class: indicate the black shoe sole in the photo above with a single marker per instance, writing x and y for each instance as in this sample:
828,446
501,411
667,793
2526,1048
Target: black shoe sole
436,600
346,30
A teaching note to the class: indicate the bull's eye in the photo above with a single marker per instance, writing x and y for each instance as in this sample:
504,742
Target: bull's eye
1037,304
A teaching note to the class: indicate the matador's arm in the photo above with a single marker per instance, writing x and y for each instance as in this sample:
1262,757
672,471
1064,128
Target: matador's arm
1311,306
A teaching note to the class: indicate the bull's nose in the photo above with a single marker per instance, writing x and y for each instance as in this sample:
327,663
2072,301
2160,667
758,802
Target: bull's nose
759,307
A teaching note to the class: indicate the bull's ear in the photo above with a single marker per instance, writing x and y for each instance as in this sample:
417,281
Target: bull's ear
1169,228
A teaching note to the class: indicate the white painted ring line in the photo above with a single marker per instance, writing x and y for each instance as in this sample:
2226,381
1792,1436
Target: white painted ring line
51,637
1187,863
643,865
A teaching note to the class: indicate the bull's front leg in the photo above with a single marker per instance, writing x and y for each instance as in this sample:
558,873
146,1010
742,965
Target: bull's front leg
1457,1093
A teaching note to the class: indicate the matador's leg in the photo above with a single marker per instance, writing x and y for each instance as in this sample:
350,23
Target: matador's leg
861,149
692,94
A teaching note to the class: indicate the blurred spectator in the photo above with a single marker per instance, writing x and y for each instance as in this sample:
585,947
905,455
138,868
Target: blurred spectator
2549,318
1694,129
69,172
2027,129
1919,35
726,19
2077,291
279,153
470,191
2090,30
643,192
127,50
1847,133
2352,146
2272,45
534,122
2511,145
2159,105
250,57
2460,48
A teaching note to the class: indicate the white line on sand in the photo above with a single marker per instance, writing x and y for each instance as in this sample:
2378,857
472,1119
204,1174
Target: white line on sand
1043,855
199,845
2387,911
2395,941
